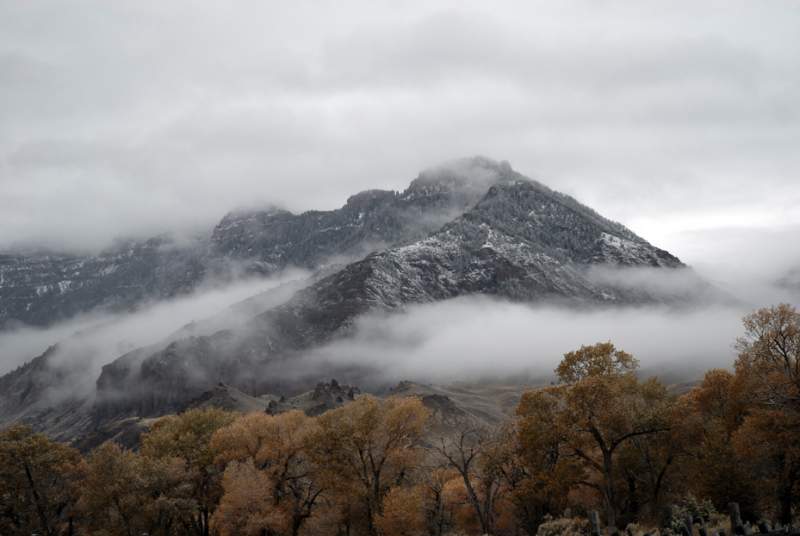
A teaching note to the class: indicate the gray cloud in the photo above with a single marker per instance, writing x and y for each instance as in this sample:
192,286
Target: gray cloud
88,342
120,119
477,338
466,339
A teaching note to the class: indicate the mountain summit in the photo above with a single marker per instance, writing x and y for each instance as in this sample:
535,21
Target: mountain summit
42,288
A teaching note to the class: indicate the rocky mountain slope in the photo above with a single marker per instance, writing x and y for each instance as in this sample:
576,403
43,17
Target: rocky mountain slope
42,288
521,242
454,408
476,227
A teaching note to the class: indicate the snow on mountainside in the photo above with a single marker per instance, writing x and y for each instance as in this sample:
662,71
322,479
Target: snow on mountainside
40,289
521,241
369,221
471,227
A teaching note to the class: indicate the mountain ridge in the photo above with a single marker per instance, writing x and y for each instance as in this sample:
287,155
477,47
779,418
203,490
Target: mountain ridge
495,232
501,247
39,289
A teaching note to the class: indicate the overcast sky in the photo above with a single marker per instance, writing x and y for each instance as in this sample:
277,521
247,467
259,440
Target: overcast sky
679,119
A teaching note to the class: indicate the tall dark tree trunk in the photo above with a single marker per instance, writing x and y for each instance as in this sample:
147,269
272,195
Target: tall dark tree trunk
785,498
476,504
608,490
37,499
371,529
633,498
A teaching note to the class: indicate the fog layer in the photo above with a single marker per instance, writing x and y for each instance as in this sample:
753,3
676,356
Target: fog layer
476,337
93,340
480,338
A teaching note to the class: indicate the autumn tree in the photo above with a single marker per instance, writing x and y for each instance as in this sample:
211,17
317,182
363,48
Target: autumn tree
438,511
705,421
124,493
598,409
466,453
247,506
541,470
647,462
457,504
601,360
339,511
37,476
767,445
403,512
272,484
367,447
186,437
769,357
768,370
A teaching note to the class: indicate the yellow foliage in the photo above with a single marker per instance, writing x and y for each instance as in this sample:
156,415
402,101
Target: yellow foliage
367,446
247,506
601,359
269,451
403,513
36,482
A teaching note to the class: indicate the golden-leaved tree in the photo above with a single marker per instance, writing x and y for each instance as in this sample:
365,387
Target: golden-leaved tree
706,420
584,424
124,493
468,454
403,512
37,495
270,484
548,468
364,449
768,370
186,438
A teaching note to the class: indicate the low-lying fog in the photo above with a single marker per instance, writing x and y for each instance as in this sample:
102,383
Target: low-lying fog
99,338
477,337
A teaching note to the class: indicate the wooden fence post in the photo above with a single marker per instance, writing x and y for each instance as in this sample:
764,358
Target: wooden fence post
688,523
736,519
594,519
666,516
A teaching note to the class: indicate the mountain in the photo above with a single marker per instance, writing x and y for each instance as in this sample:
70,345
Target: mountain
472,227
521,241
42,288
369,221
42,393
39,289
453,408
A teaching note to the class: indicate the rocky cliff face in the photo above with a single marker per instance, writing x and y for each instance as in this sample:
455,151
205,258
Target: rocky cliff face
42,288
41,393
